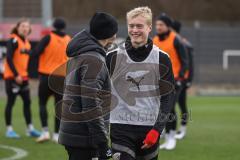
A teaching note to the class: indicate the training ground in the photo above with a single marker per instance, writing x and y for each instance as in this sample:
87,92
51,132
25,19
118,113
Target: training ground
213,133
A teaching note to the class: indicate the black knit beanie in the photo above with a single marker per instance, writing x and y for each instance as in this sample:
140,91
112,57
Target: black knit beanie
103,25
166,19
59,23
176,25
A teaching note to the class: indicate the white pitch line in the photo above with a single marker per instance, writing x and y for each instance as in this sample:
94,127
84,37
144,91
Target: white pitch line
20,153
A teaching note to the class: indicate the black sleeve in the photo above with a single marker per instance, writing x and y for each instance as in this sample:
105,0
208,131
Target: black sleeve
41,46
167,91
92,90
12,45
111,61
180,48
191,63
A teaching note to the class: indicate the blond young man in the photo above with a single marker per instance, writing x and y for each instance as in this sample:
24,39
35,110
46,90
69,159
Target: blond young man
141,74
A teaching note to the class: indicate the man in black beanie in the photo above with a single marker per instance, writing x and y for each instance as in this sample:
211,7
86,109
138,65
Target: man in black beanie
51,51
87,94
59,24
165,22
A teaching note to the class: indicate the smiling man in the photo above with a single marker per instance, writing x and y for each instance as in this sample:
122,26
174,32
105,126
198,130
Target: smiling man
139,73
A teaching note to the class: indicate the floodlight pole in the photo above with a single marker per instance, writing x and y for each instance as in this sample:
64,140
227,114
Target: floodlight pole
46,12
1,10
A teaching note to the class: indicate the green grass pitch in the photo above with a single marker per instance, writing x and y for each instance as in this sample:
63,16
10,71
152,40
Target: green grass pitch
213,133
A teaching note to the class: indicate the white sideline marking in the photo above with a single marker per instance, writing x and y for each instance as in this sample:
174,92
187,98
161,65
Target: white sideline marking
20,153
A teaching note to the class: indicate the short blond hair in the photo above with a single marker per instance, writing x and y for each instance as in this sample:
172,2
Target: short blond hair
146,12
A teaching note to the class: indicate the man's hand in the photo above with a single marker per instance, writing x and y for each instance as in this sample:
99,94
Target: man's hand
151,139
181,74
105,152
178,83
19,79
188,84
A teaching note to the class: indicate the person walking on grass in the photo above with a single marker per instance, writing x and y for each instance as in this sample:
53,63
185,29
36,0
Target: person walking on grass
168,41
51,51
186,83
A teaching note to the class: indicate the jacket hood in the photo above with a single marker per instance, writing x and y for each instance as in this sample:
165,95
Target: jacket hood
84,42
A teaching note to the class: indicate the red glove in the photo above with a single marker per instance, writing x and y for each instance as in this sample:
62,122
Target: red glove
151,138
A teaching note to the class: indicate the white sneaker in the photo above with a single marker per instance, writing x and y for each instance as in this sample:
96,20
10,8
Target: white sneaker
45,136
163,146
171,144
181,133
55,137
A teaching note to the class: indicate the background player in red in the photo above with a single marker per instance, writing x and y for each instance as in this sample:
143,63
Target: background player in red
16,76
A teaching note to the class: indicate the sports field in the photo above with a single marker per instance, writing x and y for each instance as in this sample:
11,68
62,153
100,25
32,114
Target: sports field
213,133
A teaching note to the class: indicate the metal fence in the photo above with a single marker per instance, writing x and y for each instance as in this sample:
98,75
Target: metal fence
209,44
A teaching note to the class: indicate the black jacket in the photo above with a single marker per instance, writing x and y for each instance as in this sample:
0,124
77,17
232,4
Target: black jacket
86,96
190,49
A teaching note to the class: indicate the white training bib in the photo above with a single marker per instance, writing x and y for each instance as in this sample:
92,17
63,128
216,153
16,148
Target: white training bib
136,86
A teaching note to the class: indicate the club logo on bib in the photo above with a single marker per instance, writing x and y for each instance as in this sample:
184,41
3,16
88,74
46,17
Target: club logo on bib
134,81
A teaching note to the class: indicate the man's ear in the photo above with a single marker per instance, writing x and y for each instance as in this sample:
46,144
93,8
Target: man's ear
150,27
